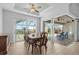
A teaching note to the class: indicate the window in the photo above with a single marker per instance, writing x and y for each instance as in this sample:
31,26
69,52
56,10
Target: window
29,25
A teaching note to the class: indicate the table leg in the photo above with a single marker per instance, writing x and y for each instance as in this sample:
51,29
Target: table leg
32,48
40,49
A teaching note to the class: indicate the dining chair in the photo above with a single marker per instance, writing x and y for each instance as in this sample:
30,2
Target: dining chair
43,41
31,42
26,39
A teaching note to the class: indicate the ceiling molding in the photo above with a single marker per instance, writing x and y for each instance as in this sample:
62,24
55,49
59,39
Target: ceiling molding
21,12
45,10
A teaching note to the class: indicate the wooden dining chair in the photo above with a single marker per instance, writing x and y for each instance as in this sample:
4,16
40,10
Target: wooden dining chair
43,41
26,39
32,44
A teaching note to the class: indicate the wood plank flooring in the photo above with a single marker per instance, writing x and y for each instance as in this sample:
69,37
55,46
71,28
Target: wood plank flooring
53,49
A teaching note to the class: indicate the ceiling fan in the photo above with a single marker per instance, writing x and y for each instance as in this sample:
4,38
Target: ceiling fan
33,7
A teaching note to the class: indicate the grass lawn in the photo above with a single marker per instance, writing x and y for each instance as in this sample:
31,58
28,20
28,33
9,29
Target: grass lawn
19,37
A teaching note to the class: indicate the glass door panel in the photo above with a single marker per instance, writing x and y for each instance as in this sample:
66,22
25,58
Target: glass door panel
48,29
24,26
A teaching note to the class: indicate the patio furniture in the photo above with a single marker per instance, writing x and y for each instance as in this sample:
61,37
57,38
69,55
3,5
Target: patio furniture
26,39
62,36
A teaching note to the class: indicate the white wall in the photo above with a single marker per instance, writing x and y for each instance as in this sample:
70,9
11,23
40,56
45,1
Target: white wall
9,22
1,20
74,9
69,27
78,30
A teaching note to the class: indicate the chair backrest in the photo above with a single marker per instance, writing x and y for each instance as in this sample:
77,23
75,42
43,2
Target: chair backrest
26,36
44,38
66,34
44,34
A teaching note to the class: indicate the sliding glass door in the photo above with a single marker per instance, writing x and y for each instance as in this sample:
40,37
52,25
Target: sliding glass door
48,27
24,25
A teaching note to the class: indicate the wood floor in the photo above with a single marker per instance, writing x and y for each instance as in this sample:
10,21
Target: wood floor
53,49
